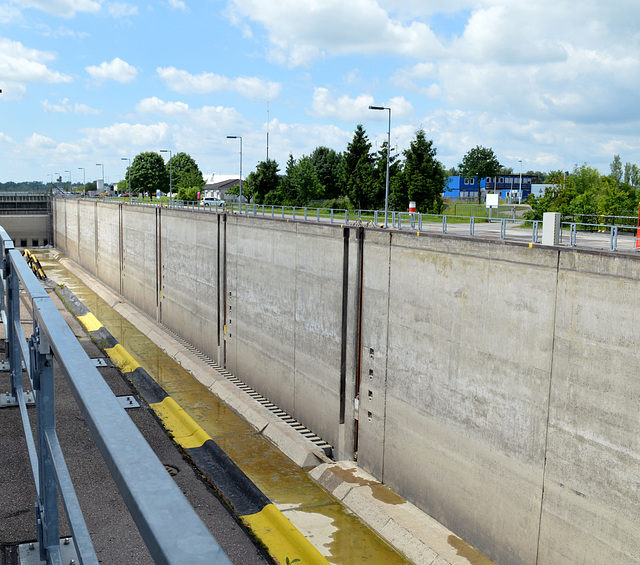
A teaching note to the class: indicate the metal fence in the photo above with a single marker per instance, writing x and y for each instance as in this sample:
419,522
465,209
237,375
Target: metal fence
610,232
147,489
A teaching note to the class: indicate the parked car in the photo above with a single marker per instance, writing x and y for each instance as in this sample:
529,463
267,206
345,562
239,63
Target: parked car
212,202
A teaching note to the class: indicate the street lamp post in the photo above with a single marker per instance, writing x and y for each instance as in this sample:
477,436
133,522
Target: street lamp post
69,179
128,172
240,138
84,180
170,174
386,188
520,191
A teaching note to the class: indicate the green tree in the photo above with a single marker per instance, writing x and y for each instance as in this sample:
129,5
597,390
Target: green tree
305,182
358,169
379,184
480,162
616,169
328,168
583,195
424,176
262,181
631,174
148,173
614,199
188,193
184,172
286,192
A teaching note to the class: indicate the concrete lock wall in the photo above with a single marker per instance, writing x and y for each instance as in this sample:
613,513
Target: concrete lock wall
497,384
28,230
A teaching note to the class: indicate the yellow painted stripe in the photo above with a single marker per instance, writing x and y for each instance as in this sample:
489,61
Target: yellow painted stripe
122,358
90,322
281,538
184,429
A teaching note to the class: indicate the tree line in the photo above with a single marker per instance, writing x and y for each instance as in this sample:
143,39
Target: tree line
355,178
586,192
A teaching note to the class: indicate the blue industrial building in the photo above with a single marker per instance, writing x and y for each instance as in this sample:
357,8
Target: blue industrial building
460,188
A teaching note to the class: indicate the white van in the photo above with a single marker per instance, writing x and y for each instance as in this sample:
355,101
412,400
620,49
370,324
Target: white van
212,202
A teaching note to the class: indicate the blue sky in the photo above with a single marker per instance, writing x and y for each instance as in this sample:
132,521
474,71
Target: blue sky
93,81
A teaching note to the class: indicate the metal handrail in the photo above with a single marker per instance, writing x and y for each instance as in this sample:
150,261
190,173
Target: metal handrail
525,230
149,492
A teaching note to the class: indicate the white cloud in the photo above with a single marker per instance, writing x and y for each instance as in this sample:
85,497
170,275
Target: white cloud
156,106
9,14
186,83
62,8
20,65
420,8
117,70
63,107
326,105
298,139
40,142
212,118
5,139
302,31
122,10
178,5
139,136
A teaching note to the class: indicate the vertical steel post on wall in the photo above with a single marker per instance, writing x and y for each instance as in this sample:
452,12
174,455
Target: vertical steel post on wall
13,318
47,518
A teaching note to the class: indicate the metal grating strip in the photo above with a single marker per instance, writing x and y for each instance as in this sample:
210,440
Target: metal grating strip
308,434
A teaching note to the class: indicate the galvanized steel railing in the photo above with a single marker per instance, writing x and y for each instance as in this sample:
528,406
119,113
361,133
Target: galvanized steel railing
148,490
602,236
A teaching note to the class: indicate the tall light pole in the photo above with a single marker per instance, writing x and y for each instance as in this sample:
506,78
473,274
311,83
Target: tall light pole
520,191
170,175
128,172
240,138
84,179
69,179
386,188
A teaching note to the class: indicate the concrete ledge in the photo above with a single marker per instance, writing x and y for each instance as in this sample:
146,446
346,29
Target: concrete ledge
418,536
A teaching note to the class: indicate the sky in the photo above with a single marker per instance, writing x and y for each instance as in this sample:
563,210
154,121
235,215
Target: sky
89,84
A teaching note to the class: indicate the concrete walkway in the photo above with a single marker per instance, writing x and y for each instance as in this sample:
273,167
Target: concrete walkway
413,533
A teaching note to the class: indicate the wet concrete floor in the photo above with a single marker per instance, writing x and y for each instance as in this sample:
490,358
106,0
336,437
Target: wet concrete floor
339,535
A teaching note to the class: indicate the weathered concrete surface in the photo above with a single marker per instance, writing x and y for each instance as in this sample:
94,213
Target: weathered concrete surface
108,231
190,265
139,257
497,387
461,383
422,539
28,230
87,237
591,510
284,316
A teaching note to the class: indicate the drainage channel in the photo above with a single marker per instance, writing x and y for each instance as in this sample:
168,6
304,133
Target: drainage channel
302,430
339,535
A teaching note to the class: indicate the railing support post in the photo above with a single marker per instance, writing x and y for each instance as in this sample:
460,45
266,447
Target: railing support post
13,318
48,521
